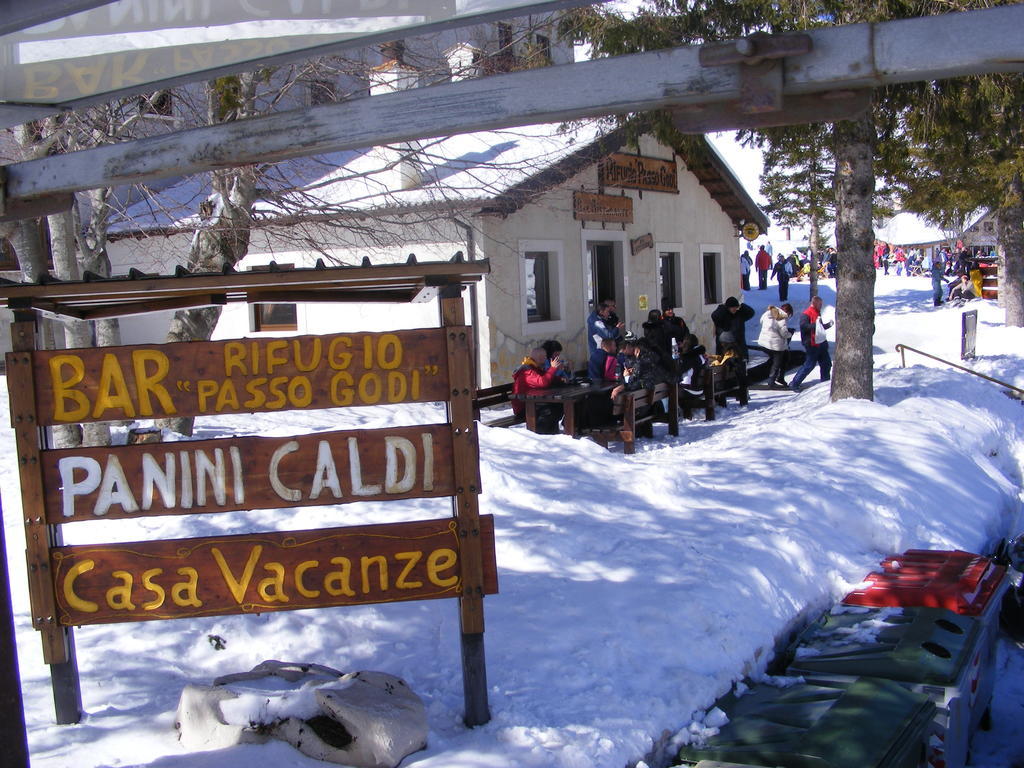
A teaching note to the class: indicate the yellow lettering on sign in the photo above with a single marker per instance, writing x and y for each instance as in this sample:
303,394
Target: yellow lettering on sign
275,356
148,382
186,593
316,353
86,77
340,582
119,598
300,571
227,397
156,589
411,559
441,560
128,71
112,391
63,388
39,82
237,586
85,606
271,588
382,572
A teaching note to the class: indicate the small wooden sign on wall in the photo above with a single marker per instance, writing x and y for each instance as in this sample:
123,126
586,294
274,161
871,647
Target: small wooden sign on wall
638,172
588,206
641,243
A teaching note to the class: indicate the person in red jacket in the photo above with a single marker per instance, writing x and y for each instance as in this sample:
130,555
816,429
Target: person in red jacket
763,263
530,375
812,334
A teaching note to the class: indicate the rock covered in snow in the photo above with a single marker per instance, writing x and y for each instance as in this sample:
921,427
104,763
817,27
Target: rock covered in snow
362,719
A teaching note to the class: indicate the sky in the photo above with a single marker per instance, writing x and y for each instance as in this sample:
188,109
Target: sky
633,590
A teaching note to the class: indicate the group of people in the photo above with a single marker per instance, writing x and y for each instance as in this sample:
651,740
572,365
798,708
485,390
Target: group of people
730,320
795,266
667,352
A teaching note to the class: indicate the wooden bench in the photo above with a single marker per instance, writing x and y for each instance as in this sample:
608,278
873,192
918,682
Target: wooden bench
690,400
488,397
719,382
729,380
638,412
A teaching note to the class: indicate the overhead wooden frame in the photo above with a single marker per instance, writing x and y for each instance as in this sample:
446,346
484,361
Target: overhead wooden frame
141,293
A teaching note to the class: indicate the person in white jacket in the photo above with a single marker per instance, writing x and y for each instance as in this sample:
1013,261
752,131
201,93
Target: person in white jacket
775,336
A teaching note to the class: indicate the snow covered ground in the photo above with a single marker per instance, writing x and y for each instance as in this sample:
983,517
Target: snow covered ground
634,590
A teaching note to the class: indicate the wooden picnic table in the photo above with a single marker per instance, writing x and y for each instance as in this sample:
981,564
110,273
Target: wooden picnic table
571,396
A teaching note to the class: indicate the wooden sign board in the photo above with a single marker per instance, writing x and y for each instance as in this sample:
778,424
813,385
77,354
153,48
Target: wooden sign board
642,243
263,572
241,376
587,206
638,172
201,476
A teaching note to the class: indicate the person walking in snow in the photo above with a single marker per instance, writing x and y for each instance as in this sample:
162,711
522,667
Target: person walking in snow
937,269
745,265
812,334
775,336
763,263
781,272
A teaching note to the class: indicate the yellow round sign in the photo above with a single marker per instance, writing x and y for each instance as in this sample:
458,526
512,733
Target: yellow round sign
751,231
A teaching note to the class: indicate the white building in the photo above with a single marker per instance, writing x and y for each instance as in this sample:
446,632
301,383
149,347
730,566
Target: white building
557,216
565,218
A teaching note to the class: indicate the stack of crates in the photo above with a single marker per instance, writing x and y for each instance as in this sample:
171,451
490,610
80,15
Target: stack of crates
900,675
928,650
865,723
962,582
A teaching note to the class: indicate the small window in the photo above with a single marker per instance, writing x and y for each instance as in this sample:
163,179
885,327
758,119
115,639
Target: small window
504,36
274,316
668,273
989,226
538,286
712,277
542,49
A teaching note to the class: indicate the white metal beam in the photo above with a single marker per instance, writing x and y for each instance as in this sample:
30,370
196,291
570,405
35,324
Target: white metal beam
841,59
22,14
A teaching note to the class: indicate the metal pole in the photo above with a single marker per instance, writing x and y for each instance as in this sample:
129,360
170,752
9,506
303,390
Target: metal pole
12,724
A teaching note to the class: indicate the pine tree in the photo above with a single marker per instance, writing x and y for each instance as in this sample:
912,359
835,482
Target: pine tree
967,137
797,181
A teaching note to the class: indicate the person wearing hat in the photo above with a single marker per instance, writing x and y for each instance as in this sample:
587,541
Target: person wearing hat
731,318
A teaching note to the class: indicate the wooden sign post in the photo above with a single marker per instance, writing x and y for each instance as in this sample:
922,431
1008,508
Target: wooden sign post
256,572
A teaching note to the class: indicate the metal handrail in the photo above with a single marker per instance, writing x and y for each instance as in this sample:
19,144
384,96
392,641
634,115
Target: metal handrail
903,348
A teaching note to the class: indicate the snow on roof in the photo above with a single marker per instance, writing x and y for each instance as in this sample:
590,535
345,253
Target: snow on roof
906,228
488,169
459,170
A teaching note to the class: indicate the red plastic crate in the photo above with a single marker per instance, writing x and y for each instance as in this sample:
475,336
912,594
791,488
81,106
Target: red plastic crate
955,580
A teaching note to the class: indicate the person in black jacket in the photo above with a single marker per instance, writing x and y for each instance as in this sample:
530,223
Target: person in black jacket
731,317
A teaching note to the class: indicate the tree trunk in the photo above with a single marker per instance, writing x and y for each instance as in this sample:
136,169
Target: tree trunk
814,255
853,375
1010,235
77,333
222,240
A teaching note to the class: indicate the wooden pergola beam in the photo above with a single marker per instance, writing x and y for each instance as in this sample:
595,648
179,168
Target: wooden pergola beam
841,60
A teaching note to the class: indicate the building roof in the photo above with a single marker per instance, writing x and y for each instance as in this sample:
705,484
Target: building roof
485,171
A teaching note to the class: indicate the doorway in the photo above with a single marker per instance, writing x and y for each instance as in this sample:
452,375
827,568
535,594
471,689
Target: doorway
605,273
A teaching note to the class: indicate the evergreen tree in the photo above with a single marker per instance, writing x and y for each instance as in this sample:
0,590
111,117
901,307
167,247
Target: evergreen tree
967,153
797,181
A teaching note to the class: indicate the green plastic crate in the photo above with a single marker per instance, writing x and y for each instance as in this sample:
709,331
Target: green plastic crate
929,650
867,723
